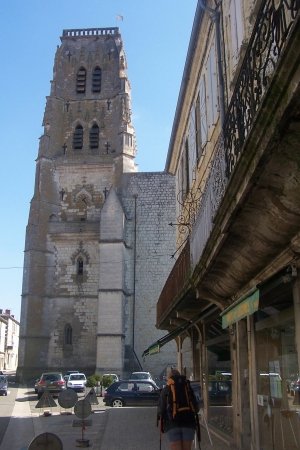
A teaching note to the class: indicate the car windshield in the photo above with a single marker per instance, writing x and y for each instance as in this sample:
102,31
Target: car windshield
140,376
77,377
52,377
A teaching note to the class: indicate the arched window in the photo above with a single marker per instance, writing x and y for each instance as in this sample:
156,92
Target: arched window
96,84
81,81
94,136
68,334
78,138
79,266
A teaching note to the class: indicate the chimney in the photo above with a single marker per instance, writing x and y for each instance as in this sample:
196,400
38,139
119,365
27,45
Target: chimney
7,312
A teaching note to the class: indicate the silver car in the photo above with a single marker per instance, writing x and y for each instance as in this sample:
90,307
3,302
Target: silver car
52,382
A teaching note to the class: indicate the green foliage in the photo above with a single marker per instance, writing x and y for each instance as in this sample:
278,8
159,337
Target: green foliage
107,380
93,380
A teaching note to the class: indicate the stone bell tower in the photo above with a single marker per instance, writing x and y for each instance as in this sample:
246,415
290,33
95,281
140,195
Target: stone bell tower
72,313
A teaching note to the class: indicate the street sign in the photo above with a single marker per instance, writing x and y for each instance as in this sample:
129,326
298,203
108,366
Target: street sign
46,401
46,441
91,397
67,398
82,409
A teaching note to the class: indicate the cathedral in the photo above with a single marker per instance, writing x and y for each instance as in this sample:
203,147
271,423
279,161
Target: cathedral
98,242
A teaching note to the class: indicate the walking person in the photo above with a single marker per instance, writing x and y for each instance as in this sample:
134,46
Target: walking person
177,412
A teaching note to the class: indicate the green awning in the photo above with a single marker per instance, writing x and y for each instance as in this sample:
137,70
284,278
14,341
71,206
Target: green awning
155,347
243,307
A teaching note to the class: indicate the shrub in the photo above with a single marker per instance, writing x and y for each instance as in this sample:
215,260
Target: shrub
93,380
107,380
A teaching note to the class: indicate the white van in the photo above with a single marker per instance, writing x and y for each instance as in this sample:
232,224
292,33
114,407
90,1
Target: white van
77,381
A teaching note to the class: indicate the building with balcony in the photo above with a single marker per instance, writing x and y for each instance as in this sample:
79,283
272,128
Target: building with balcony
232,299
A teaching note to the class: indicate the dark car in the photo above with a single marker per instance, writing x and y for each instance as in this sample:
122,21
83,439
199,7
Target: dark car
132,393
3,385
52,382
219,393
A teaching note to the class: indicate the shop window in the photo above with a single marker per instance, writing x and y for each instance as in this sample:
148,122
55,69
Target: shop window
94,137
219,377
277,369
96,83
78,138
81,81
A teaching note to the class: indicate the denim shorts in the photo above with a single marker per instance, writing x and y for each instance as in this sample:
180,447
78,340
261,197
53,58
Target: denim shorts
180,434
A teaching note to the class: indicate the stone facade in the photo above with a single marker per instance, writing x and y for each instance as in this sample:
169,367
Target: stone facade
98,245
235,286
9,341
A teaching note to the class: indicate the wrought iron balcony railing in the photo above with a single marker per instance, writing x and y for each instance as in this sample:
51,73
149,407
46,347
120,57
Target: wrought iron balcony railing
274,23
270,36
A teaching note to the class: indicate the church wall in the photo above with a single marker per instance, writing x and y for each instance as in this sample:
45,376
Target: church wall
149,202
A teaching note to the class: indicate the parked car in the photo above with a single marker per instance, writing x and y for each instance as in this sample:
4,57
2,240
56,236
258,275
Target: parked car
219,393
114,376
3,385
66,376
52,382
132,393
77,382
36,385
141,376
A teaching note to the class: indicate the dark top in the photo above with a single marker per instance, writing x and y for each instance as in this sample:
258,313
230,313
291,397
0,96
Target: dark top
168,422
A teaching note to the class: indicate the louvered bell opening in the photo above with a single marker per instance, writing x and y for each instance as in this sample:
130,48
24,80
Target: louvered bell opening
78,138
94,137
96,85
81,81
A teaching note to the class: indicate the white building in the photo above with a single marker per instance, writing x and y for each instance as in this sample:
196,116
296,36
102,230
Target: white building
9,340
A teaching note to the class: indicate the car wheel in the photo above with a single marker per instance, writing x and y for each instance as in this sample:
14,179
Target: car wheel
117,403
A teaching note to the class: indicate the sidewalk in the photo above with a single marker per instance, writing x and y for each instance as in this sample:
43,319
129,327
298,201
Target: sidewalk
110,429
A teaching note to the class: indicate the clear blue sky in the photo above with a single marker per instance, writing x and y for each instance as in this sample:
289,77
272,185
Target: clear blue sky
155,35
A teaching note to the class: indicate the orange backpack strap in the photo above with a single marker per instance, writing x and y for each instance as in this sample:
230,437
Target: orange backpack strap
171,384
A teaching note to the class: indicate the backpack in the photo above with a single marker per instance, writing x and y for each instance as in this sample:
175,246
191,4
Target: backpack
180,399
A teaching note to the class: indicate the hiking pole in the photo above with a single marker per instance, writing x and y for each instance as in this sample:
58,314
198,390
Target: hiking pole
198,430
159,438
160,432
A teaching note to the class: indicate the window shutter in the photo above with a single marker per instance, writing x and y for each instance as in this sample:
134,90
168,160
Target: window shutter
192,145
198,128
94,136
78,138
203,113
96,83
81,81
213,86
236,27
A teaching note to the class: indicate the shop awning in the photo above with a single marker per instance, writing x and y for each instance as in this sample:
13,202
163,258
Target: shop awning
243,307
156,346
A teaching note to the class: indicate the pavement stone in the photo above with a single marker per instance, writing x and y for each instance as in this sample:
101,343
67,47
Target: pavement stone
111,428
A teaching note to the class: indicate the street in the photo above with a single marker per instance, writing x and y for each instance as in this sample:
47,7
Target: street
127,428
6,407
107,428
